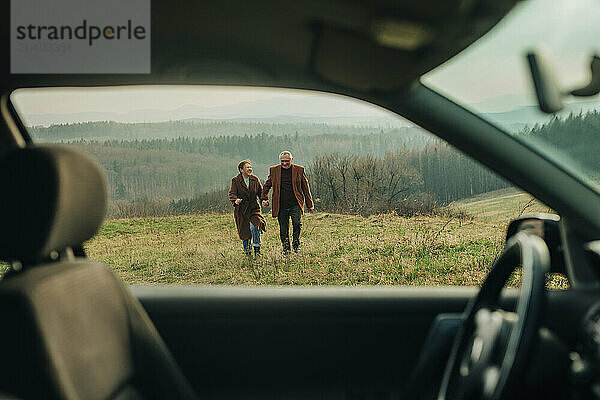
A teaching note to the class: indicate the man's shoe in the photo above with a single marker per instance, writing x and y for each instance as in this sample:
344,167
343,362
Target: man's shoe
296,245
257,252
286,247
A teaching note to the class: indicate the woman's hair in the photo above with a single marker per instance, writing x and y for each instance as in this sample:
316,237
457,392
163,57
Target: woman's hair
242,164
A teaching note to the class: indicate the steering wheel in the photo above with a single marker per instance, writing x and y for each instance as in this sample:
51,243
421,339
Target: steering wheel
493,345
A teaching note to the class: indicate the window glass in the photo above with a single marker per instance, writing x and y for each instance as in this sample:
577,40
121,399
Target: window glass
393,205
492,78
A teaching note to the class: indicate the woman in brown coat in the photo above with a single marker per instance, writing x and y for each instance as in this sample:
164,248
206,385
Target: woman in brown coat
244,194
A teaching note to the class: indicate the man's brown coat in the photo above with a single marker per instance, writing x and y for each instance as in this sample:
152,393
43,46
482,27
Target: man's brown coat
299,185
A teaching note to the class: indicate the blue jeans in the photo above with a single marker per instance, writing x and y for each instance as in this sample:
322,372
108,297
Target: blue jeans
255,239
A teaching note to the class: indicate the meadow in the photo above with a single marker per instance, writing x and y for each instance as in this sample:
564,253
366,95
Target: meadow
456,249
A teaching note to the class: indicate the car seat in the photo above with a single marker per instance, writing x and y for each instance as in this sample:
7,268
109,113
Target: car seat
70,328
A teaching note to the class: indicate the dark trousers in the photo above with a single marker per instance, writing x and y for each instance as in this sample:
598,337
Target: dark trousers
284,226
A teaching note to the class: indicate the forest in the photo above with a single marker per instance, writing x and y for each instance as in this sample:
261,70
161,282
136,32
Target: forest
184,167
106,130
187,166
575,134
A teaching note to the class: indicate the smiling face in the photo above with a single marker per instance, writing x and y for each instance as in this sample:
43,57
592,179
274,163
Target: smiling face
286,161
247,169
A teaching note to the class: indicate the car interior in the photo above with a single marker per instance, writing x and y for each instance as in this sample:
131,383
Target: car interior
73,330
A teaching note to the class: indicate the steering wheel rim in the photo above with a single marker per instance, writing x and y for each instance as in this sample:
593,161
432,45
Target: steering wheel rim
492,345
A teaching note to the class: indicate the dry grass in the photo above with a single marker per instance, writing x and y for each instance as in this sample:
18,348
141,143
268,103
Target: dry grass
500,206
336,249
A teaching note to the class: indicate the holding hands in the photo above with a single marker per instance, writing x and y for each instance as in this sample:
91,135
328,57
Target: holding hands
238,201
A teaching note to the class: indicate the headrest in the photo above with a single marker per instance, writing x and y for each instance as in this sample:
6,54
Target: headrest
52,197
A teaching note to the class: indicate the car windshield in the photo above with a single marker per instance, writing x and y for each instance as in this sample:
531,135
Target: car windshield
492,79
393,205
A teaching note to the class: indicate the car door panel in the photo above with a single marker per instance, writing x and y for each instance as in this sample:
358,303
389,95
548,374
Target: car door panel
345,342
299,342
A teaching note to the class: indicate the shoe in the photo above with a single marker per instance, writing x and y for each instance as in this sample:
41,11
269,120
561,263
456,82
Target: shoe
257,252
297,249
286,247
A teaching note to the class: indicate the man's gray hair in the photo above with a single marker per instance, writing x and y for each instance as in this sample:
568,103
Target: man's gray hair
286,153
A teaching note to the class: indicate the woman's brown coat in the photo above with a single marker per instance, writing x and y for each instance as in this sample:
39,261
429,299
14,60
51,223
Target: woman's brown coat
249,209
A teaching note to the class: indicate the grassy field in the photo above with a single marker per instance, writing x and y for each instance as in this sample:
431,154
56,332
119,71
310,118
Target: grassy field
336,249
501,205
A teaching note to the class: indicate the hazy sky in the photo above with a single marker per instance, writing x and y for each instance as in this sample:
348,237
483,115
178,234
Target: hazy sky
149,104
490,76
126,99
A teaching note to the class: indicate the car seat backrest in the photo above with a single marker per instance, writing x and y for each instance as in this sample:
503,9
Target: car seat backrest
70,328
52,198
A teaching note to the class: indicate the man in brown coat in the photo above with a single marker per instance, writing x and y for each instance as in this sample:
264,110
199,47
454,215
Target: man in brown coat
290,191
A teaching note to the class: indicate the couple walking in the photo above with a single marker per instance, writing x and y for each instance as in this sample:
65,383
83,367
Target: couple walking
290,191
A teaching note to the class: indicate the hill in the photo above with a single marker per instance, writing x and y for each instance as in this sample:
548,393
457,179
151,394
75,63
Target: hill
336,250
107,130
501,205
383,249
